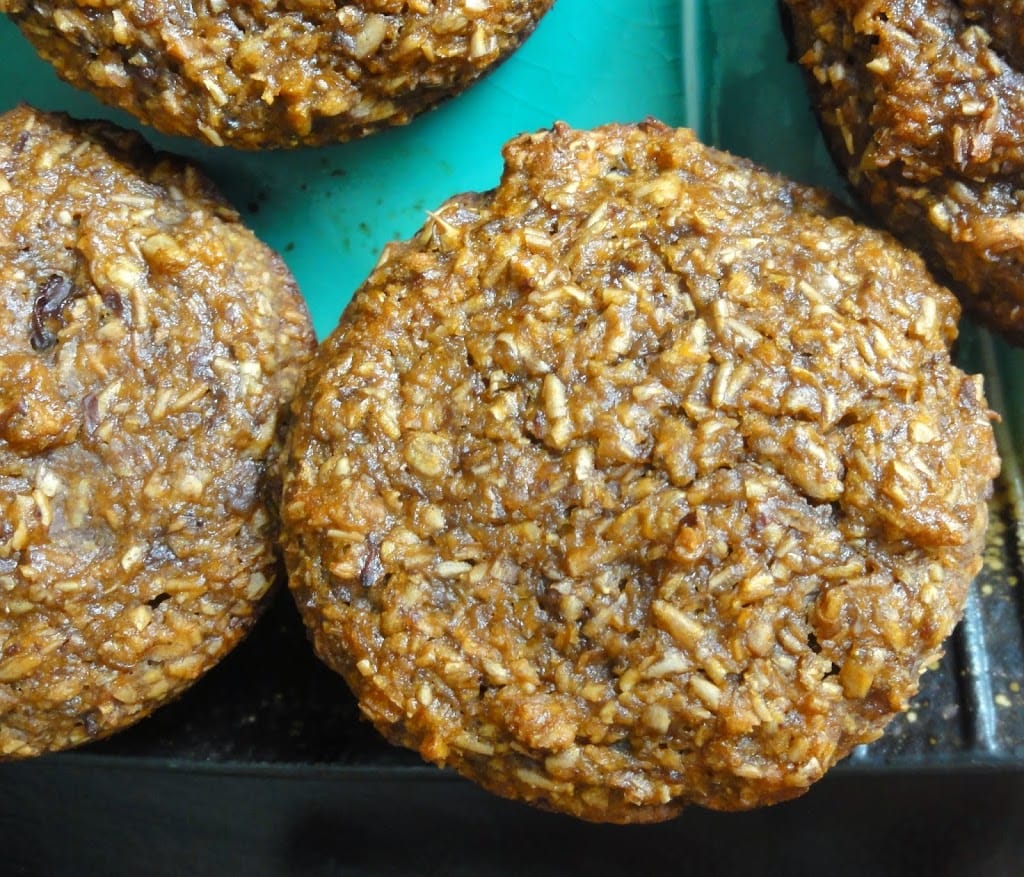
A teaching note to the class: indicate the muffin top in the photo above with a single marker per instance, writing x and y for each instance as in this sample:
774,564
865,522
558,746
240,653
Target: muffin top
148,346
922,106
642,480
256,74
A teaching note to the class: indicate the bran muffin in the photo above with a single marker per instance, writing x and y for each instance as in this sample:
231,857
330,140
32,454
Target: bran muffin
148,347
290,72
922,106
643,480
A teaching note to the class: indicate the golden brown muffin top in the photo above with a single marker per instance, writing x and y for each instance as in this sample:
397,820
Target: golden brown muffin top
268,73
643,480
148,344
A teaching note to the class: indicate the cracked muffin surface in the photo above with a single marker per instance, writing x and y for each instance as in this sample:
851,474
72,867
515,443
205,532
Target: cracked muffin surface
148,346
922,106
642,480
256,74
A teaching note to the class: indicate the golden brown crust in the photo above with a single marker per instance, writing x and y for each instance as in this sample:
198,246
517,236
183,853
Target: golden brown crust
256,74
922,105
643,480
148,344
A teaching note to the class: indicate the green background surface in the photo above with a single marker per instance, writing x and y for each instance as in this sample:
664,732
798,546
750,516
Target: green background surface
747,95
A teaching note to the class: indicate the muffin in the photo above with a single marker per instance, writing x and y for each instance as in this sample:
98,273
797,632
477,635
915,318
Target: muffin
148,348
257,75
922,107
642,480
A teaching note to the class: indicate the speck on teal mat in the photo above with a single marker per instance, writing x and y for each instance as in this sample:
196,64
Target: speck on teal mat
329,211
